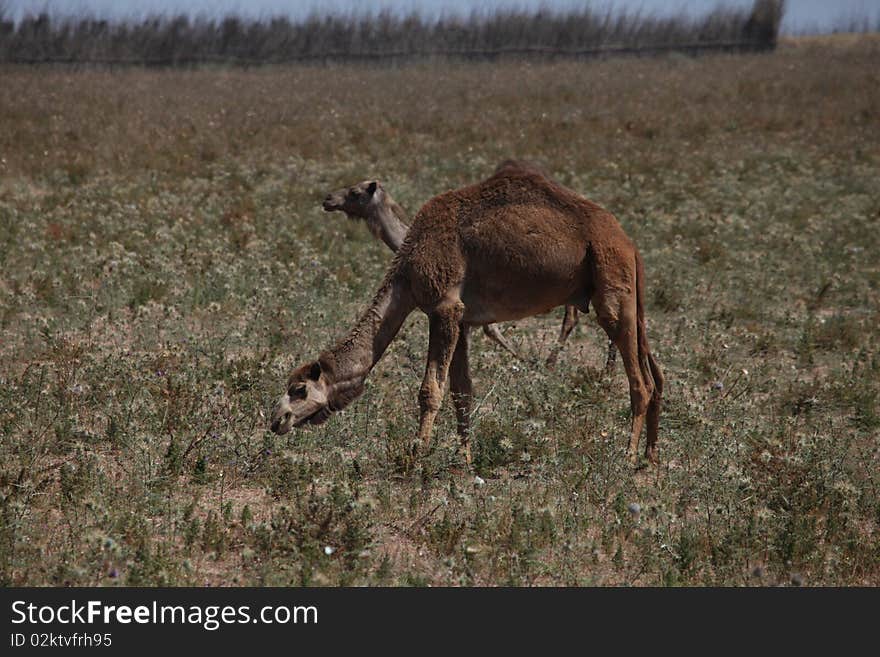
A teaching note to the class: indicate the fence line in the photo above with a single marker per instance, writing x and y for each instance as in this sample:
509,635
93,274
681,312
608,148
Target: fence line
403,55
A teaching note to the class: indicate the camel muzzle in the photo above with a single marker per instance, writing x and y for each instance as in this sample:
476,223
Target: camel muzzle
280,422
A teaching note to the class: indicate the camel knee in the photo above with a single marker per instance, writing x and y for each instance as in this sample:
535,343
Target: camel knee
450,310
609,320
429,398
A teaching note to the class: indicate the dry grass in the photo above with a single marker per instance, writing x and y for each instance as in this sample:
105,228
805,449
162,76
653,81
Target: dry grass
165,261
636,112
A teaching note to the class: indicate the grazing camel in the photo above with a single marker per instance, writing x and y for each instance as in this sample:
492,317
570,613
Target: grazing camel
512,246
386,220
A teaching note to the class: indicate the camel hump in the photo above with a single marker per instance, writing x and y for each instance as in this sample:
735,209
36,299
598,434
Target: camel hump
514,165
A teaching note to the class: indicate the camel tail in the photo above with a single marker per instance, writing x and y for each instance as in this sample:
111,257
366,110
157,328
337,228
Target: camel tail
650,369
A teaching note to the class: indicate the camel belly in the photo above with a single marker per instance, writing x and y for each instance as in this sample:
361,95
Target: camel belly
521,264
478,314
505,298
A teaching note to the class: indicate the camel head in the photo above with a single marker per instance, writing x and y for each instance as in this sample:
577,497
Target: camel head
311,398
356,200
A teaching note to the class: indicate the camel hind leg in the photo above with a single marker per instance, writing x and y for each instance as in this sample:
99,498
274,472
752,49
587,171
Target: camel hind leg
654,410
651,372
617,315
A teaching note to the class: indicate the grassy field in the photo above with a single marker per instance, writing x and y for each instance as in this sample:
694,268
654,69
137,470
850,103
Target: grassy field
164,262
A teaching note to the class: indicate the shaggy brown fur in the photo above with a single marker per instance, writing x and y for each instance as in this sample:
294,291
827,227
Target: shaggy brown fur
570,319
512,246
370,202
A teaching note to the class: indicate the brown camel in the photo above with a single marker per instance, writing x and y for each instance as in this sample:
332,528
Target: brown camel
509,247
371,202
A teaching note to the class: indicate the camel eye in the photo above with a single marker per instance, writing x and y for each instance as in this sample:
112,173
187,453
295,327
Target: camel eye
299,392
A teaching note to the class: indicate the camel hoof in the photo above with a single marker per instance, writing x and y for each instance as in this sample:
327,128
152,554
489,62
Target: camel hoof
643,462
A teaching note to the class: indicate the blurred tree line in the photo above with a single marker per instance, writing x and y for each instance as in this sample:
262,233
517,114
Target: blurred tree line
180,40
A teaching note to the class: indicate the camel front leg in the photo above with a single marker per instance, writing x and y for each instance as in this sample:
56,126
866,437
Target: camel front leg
462,390
442,338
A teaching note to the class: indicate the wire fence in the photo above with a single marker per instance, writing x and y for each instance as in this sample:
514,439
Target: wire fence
401,55
384,37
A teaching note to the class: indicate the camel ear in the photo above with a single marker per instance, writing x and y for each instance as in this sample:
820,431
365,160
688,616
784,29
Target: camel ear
315,371
371,188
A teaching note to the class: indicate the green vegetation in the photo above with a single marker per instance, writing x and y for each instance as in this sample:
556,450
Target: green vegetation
164,263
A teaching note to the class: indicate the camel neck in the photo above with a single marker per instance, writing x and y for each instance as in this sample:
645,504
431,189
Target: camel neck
355,355
388,222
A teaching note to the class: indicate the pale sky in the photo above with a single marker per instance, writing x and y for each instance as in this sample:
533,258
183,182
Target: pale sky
801,15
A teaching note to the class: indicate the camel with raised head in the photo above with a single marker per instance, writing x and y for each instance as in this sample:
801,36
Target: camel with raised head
370,202
512,246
